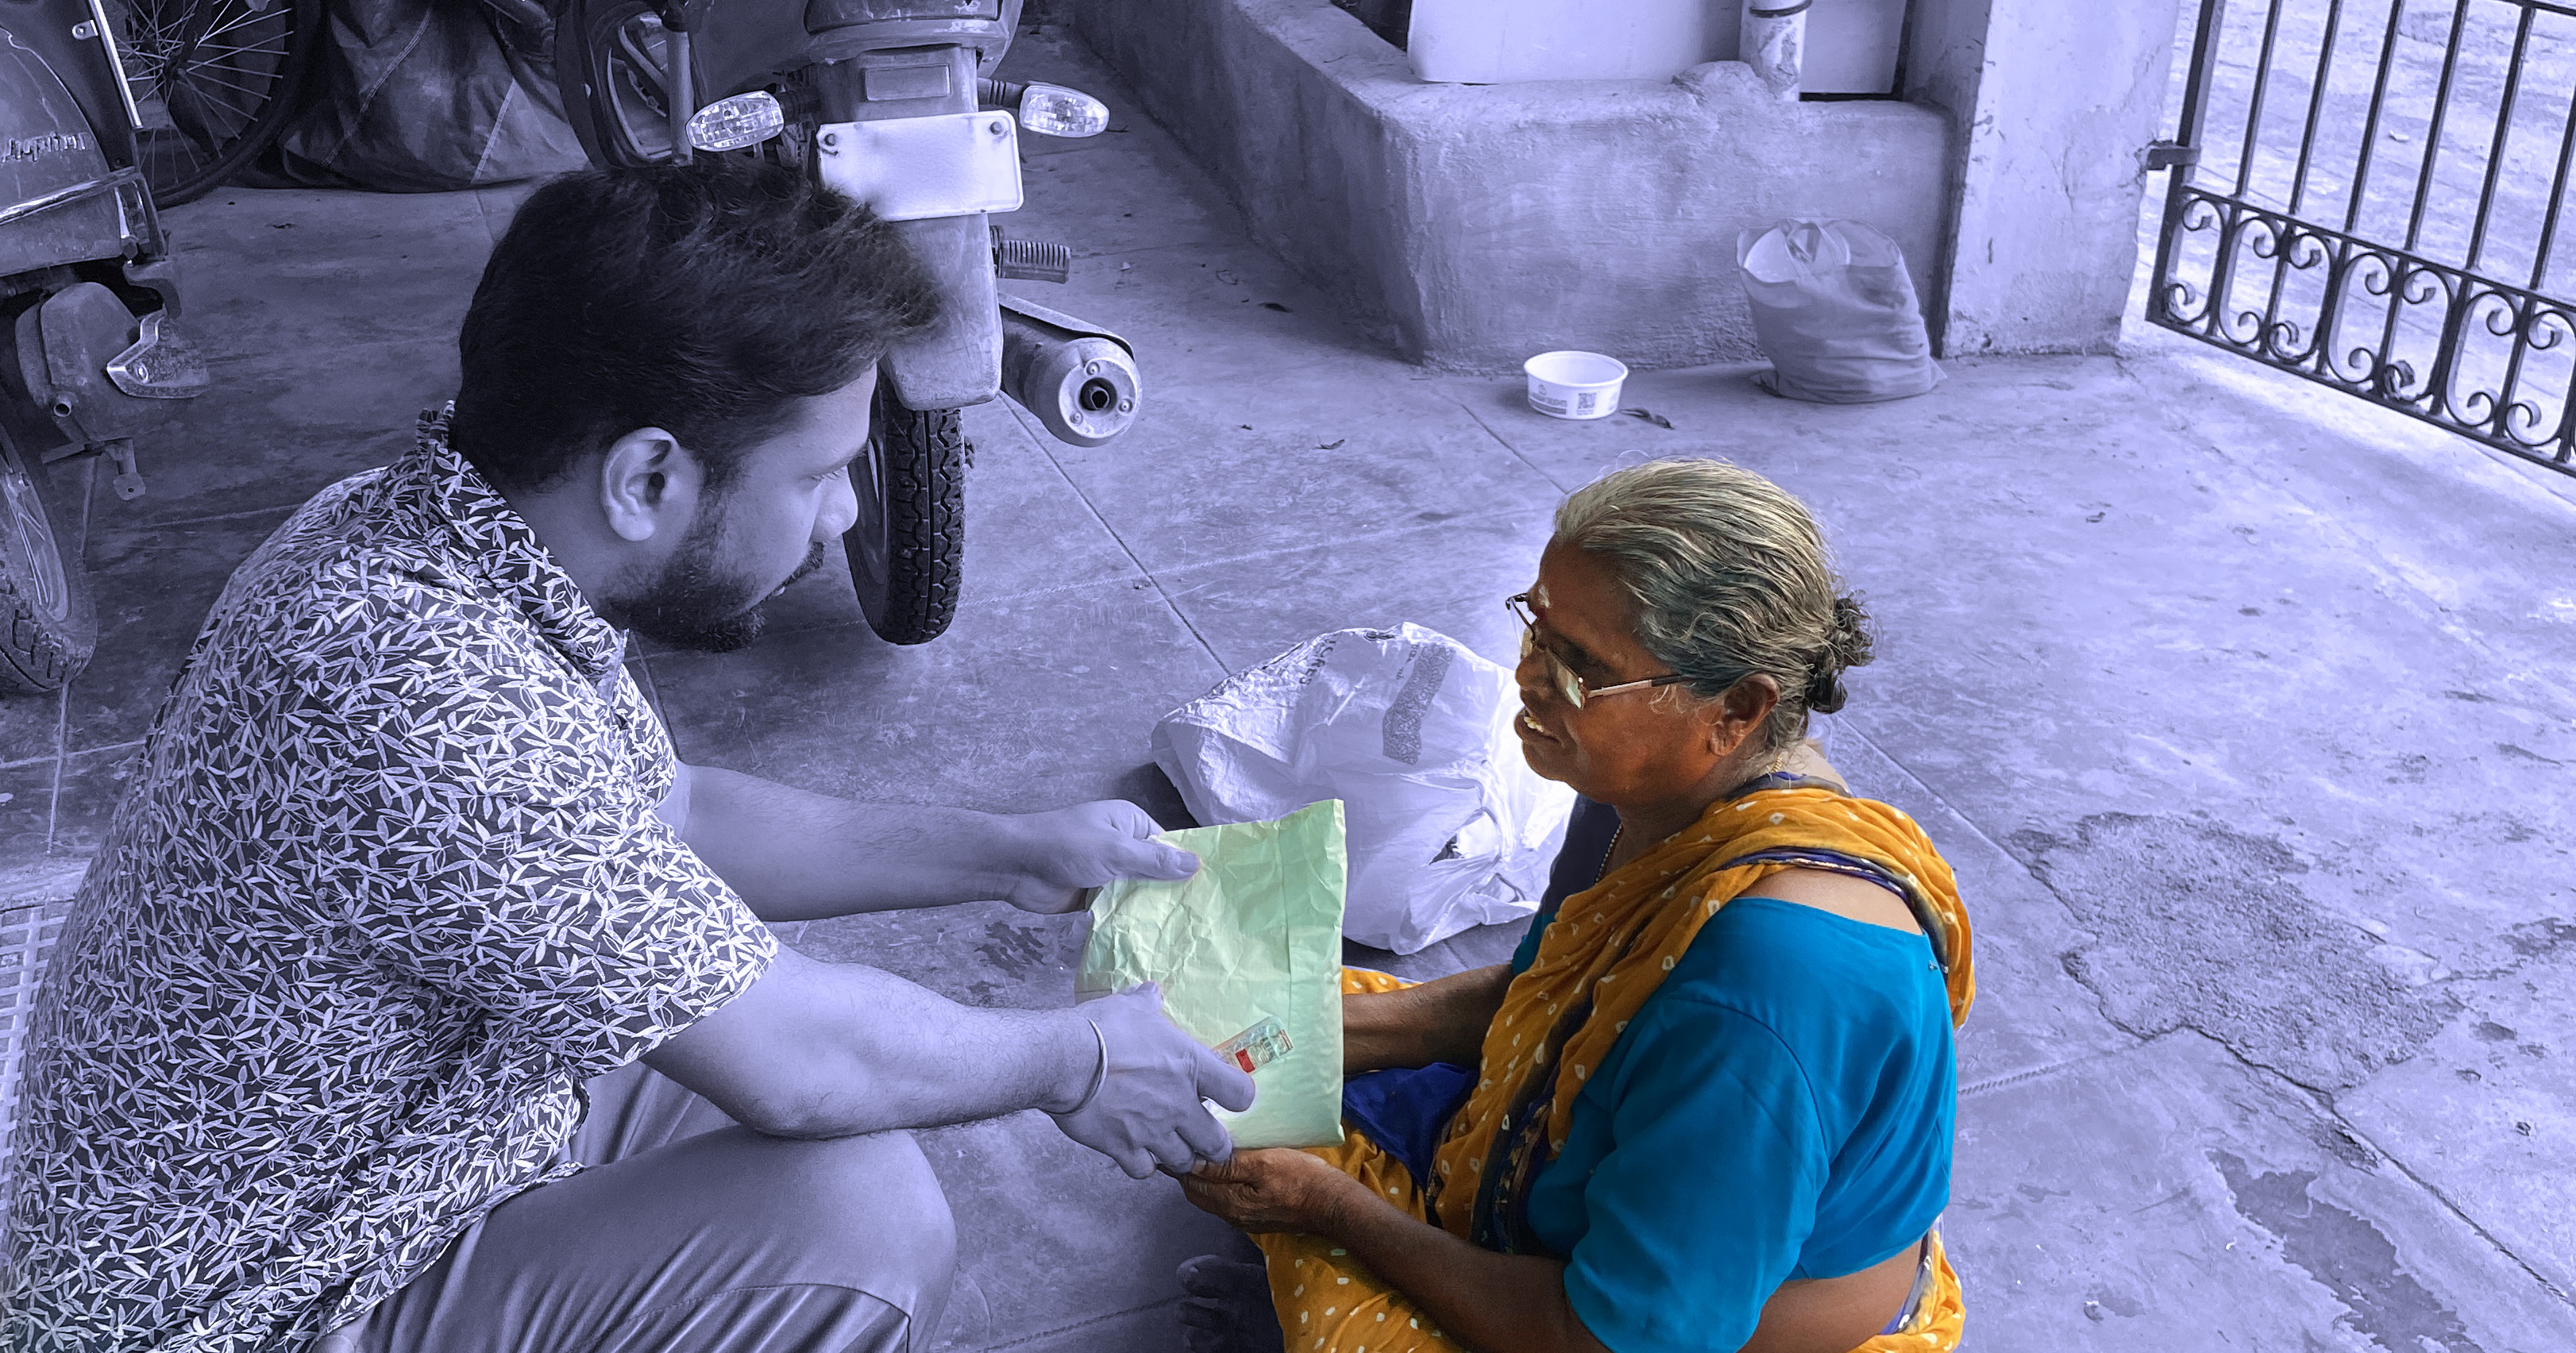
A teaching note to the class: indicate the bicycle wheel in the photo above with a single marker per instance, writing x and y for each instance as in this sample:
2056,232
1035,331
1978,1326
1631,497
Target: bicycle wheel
215,81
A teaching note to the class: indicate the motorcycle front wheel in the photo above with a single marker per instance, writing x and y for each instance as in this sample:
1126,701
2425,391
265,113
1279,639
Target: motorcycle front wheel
48,627
908,543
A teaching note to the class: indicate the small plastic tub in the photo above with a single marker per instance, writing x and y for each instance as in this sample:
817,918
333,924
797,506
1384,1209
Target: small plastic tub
1573,384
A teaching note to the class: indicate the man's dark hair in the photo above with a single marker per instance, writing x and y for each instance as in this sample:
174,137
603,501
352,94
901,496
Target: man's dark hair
696,298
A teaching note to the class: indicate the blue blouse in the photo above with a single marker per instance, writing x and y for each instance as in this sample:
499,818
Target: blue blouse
1780,1108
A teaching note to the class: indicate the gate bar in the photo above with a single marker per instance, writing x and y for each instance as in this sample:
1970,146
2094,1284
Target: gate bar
2316,103
2370,130
2557,201
2495,152
2262,80
2433,134
2195,105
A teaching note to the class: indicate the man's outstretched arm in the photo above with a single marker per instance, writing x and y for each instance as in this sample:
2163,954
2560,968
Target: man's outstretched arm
799,856
832,1050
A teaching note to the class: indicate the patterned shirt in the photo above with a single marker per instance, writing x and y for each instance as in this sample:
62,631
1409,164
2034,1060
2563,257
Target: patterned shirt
387,888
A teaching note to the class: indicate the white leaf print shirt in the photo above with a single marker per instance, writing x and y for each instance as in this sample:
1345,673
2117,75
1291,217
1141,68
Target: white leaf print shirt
386,889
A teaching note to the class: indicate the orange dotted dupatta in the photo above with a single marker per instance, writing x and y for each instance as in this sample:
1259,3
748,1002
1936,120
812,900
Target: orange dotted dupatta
1597,963
1609,948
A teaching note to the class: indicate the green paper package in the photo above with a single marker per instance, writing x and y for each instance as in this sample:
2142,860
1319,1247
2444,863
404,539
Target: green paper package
1248,952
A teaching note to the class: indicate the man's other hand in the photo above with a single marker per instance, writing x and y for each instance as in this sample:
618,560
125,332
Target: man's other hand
1147,1114
1066,853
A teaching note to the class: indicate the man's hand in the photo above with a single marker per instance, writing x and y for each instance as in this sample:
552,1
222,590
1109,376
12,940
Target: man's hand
1064,854
1147,1113
1276,1189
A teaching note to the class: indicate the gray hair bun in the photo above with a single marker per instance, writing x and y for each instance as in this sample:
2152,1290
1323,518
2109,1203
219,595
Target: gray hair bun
1847,646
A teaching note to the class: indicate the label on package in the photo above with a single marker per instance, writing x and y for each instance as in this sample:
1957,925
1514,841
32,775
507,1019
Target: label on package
1256,1047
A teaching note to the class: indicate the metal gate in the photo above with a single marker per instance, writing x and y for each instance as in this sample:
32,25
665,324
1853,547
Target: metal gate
2375,195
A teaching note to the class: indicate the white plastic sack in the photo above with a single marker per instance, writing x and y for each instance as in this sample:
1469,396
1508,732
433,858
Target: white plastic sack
1834,310
1448,826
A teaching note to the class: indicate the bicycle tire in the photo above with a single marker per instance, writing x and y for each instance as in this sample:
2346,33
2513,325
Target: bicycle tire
173,180
907,547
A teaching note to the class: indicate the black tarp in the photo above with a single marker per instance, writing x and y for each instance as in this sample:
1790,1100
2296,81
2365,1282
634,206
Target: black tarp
415,96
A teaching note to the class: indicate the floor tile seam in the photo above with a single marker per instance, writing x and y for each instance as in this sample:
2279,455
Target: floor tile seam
149,524
54,804
1501,441
827,626
2324,1100
2009,1079
2362,1138
1387,533
125,746
63,697
1954,810
1082,1324
1024,418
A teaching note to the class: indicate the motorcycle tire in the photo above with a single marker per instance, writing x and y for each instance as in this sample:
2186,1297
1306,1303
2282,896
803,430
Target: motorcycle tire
907,545
226,99
48,625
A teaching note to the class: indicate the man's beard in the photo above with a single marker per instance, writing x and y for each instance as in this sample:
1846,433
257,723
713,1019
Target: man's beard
694,604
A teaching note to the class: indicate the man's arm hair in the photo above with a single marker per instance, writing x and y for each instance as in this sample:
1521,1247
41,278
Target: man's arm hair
799,856
833,1050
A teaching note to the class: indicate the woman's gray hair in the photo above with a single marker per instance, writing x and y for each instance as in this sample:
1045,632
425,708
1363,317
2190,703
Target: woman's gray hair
1730,577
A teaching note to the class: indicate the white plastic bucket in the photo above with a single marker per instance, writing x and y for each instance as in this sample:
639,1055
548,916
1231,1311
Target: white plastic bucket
1574,384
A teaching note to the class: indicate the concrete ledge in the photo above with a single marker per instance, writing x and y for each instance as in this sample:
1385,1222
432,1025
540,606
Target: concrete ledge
1470,226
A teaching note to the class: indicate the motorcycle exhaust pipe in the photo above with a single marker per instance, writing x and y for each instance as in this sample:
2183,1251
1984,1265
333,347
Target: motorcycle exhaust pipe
1080,380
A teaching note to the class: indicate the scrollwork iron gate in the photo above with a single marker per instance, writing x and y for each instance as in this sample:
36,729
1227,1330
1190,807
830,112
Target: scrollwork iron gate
2374,194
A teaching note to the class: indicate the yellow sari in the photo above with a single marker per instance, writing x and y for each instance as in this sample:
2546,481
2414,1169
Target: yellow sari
1606,952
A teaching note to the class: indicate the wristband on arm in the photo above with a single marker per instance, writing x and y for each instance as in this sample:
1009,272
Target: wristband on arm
1098,1078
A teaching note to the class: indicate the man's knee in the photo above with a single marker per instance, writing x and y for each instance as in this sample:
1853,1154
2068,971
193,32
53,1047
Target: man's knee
873,1201
884,1176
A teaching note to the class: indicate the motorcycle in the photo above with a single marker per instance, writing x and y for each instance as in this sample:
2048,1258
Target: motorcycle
890,102
90,349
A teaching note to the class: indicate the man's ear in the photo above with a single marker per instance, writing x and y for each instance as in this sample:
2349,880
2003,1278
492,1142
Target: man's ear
648,483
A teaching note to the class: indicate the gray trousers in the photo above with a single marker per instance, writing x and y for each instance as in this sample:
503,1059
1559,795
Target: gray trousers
691,1233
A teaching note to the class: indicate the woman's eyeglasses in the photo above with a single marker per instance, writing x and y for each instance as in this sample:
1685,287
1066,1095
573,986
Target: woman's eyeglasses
1569,686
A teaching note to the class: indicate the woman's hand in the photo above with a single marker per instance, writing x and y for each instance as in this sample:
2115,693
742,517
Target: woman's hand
1439,1021
1275,1189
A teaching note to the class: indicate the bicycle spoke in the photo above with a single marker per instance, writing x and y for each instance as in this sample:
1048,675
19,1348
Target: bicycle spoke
258,16
259,91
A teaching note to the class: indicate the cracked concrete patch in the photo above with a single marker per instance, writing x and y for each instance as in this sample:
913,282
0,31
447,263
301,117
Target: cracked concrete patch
2196,925
2350,1256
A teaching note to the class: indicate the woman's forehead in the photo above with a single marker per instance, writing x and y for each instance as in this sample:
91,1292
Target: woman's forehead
1593,606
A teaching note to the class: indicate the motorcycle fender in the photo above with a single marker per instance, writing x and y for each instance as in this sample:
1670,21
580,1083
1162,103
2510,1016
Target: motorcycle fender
63,348
47,148
959,362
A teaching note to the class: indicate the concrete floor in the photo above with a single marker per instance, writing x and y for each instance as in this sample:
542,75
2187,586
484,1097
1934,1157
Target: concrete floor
2243,711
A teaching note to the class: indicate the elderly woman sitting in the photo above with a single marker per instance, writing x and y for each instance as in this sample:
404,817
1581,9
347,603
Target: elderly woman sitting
1708,1104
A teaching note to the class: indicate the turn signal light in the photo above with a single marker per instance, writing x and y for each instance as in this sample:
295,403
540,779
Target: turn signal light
731,124
1057,111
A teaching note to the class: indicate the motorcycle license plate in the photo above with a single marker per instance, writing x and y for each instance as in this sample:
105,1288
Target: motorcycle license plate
914,168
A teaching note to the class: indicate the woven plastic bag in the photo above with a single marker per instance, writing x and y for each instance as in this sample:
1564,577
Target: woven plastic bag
1249,945
1412,731
1834,310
